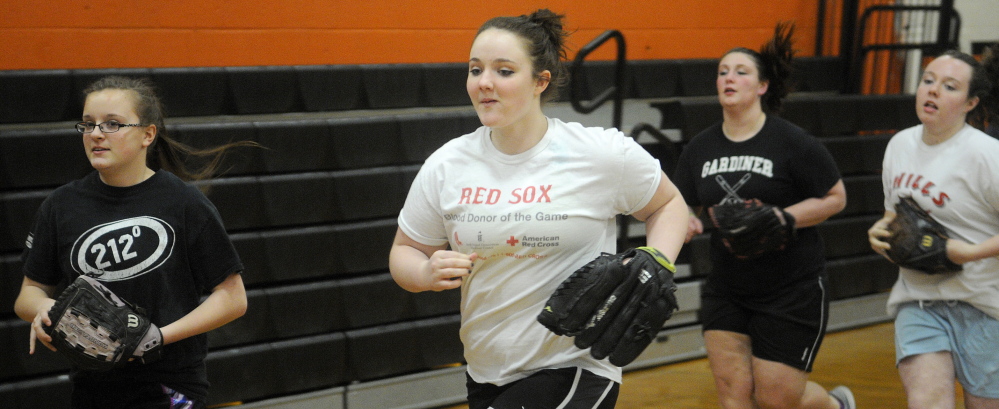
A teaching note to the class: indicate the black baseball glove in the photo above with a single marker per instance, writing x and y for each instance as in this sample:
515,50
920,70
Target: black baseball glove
917,241
97,330
614,308
751,228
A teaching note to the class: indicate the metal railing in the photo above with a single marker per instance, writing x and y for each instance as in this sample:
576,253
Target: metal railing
615,92
891,40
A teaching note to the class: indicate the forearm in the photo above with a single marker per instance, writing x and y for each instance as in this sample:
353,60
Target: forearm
407,264
985,249
667,227
226,303
32,300
812,211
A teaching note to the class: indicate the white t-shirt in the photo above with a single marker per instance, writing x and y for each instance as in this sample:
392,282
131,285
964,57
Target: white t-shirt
532,218
957,182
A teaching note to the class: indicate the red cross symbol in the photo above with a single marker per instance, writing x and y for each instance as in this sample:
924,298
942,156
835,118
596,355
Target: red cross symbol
513,241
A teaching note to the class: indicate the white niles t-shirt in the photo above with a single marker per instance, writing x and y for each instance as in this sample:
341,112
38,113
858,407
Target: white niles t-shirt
532,219
957,182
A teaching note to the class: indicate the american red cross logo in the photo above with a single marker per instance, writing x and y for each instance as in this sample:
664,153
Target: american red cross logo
513,241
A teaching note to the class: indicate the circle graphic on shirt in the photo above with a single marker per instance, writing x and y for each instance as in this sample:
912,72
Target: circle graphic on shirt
123,249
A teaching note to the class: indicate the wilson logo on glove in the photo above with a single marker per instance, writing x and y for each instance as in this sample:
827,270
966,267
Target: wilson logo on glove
98,331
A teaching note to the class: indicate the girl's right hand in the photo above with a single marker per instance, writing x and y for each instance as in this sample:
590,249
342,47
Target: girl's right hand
694,227
876,236
38,328
446,269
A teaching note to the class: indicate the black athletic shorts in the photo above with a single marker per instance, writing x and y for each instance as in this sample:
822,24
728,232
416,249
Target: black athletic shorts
565,388
786,326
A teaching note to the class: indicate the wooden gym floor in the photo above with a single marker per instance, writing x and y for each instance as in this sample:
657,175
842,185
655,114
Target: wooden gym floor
861,358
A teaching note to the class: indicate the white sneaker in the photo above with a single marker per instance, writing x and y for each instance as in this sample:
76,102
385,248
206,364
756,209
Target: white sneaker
844,396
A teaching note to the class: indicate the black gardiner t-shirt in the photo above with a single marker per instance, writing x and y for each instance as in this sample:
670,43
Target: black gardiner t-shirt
782,165
159,244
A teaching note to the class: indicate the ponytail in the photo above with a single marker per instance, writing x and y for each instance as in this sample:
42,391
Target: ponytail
985,86
775,57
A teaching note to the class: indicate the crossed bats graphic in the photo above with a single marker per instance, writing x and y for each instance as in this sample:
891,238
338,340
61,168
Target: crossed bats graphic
732,195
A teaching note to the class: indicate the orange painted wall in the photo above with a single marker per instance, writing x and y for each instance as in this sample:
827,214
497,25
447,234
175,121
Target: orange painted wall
45,34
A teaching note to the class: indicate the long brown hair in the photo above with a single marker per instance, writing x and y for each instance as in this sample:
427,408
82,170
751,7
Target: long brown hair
165,153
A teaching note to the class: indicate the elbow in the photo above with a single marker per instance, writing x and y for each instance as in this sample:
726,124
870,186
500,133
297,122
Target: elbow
239,307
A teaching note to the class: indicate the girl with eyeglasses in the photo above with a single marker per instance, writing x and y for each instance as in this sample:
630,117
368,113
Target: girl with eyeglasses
155,241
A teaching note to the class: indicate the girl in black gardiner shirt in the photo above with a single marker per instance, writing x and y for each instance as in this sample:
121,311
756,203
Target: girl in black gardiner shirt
763,319
148,236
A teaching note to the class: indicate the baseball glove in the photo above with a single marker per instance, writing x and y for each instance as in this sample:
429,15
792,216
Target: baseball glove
917,241
98,331
614,308
752,228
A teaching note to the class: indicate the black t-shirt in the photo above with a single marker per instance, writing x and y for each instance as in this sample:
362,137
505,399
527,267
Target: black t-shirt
159,244
781,165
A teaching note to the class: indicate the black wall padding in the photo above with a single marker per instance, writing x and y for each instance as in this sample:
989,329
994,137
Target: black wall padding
49,393
697,77
254,326
311,363
422,134
654,78
444,84
243,373
11,277
237,161
322,197
802,110
817,74
315,251
405,347
266,89
16,363
331,87
193,91
392,85
377,299
305,309
846,237
238,201
858,154
296,146
689,115
857,276
41,157
365,142
864,196
279,368
35,95
309,198
17,214
373,300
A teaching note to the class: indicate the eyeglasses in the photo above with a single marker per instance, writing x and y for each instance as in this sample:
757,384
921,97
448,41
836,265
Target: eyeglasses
106,127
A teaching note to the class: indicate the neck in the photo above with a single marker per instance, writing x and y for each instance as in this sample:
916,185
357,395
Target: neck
940,134
123,179
745,124
520,137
